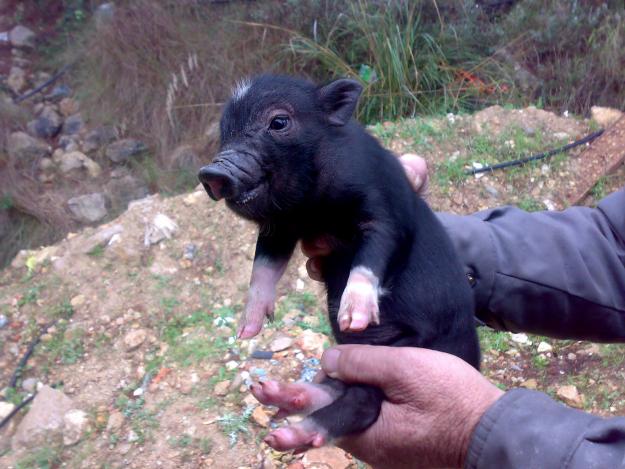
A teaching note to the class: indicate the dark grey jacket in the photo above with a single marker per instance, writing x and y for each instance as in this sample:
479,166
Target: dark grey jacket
560,274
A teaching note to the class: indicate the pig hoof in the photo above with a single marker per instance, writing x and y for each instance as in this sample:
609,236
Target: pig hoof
359,307
293,398
294,438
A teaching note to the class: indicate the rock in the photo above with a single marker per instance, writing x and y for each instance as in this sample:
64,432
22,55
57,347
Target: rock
561,136
312,342
134,339
43,424
571,356
68,106
88,208
101,238
122,150
162,227
570,396
132,436
59,92
280,343
3,319
326,457
46,164
73,124
544,347
520,338
115,422
261,417
68,143
605,116
30,384
47,125
221,388
184,157
93,168
529,384
5,409
98,137
71,161
22,147
77,301
104,14
125,189
492,191
76,423
232,365
592,349
190,251
16,80
22,37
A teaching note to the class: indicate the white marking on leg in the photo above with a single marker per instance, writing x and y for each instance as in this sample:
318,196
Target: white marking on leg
241,88
359,302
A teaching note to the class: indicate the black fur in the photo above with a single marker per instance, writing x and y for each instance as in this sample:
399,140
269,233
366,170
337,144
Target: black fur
326,175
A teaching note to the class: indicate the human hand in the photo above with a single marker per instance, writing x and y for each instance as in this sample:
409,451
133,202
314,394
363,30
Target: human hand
433,403
315,249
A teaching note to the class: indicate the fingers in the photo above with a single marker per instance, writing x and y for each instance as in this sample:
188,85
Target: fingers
375,365
417,171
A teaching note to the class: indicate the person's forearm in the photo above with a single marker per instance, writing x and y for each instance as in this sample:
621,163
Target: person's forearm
529,429
560,274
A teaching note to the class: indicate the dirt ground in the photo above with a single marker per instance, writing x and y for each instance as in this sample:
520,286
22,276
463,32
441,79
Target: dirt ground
141,329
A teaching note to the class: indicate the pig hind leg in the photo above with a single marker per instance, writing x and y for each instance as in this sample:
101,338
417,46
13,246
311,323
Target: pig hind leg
353,409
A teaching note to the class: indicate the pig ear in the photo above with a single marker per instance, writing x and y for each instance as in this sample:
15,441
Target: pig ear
339,99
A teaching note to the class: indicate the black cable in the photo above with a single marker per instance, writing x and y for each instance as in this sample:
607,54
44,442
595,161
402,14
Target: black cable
45,84
539,156
17,408
29,351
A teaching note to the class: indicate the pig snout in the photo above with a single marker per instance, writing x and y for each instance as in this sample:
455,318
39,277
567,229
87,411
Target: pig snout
218,182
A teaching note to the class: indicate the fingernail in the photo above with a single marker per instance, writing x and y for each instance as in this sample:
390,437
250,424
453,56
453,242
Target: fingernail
330,362
417,182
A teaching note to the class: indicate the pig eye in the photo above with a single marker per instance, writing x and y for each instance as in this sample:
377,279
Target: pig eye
279,123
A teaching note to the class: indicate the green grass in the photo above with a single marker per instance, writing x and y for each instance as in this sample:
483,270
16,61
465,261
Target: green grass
530,204
493,340
232,425
142,421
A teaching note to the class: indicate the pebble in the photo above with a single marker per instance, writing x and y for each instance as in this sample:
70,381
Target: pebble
30,384
570,395
544,347
115,422
3,321
571,356
5,409
520,338
221,388
134,339
232,365
529,384
261,417
132,436
281,343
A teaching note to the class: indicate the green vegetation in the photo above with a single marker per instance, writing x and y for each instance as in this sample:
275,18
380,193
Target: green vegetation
142,421
46,457
234,424
530,205
493,340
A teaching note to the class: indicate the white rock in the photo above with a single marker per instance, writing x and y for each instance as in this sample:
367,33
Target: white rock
6,408
76,422
544,347
280,343
160,228
520,338
21,36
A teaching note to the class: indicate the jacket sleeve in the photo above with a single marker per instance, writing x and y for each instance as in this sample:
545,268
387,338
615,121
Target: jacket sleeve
560,274
528,429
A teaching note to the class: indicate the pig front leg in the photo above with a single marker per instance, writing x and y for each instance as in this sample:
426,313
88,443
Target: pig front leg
272,256
359,302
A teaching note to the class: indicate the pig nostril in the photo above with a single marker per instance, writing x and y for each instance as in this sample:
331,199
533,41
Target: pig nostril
217,183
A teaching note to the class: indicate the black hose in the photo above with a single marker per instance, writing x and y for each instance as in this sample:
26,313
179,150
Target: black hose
539,156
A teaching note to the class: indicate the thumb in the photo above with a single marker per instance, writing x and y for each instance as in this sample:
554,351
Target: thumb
375,365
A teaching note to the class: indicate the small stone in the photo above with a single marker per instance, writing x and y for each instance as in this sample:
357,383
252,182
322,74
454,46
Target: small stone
71,161
162,227
3,321
570,395
190,251
30,384
326,457
529,384
98,137
122,150
68,106
17,79
544,347
605,116
571,356
5,409
47,125
280,344
520,338
261,417
76,423
232,365
312,342
561,136
73,124
134,339
492,191
88,208
132,436
221,388
93,168
115,422
46,164
58,92
592,349
21,146
22,37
